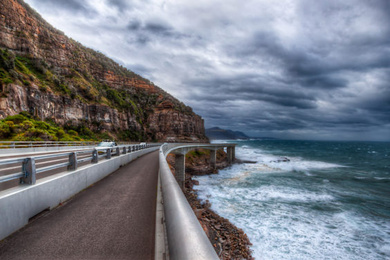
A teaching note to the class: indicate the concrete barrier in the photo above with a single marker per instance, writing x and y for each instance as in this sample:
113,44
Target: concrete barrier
186,238
19,204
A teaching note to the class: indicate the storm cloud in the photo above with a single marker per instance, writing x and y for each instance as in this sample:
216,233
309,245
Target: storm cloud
289,69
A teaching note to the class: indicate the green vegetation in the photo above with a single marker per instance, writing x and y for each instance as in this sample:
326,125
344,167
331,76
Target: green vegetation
23,127
203,155
7,64
195,156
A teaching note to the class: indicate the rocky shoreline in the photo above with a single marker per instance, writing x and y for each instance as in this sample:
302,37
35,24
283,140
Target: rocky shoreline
228,241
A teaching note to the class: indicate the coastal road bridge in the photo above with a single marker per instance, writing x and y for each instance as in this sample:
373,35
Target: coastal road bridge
86,212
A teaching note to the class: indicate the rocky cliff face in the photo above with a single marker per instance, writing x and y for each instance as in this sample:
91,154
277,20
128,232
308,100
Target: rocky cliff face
54,77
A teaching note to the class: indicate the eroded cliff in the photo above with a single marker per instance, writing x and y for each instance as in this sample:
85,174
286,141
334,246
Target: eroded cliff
44,72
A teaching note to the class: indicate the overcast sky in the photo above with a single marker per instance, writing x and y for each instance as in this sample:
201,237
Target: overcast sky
301,69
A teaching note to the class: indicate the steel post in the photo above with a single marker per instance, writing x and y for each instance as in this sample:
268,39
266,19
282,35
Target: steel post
95,156
72,162
29,171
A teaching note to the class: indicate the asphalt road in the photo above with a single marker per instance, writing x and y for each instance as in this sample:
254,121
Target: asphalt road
113,219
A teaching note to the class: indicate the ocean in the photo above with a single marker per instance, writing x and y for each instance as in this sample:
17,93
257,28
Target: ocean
307,199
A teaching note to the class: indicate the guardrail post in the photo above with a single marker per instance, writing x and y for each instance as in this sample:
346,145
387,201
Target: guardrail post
118,151
72,162
108,156
13,145
124,150
31,144
29,171
180,172
95,156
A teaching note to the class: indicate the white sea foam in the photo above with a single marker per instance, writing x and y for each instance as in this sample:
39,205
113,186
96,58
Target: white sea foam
270,162
281,230
284,220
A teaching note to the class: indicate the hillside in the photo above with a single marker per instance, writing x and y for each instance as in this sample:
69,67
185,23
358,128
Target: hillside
217,133
53,77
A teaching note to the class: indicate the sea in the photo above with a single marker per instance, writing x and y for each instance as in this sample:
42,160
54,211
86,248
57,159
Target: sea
307,199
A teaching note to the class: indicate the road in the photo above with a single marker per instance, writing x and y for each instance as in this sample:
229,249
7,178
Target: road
113,219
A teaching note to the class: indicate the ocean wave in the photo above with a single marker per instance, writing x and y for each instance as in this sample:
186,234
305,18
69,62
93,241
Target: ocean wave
285,223
268,161
291,216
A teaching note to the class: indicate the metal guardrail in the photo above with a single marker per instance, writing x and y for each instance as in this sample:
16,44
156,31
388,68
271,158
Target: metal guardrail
31,144
186,238
28,172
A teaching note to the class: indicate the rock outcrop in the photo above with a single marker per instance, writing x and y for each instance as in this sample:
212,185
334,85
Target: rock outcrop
54,77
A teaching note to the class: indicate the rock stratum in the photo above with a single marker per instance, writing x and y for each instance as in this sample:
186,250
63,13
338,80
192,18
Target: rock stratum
51,76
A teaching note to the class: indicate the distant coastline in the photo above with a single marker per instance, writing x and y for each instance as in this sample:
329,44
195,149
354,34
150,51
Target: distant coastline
216,133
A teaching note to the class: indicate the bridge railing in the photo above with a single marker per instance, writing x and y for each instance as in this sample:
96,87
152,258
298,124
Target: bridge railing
186,238
29,170
31,144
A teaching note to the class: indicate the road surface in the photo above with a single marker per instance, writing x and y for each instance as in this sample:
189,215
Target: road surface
113,219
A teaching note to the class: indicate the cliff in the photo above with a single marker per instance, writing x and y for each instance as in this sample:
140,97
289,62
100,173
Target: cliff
51,76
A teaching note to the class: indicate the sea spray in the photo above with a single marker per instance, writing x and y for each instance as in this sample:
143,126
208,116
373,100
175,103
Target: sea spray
329,200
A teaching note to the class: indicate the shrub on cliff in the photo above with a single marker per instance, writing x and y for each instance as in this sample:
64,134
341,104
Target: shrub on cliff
23,127
7,60
7,64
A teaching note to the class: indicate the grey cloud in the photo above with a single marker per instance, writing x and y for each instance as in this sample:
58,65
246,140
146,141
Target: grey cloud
247,88
134,25
121,5
317,70
153,30
64,5
157,28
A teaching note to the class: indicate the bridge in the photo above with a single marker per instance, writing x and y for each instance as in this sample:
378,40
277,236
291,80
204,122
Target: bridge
112,203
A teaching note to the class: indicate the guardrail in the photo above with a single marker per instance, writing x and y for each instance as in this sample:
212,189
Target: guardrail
19,204
186,238
28,172
31,144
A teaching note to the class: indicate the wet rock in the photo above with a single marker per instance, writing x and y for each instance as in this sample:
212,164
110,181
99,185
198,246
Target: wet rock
281,159
228,241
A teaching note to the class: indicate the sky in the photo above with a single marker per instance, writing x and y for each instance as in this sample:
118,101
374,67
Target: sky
291,69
